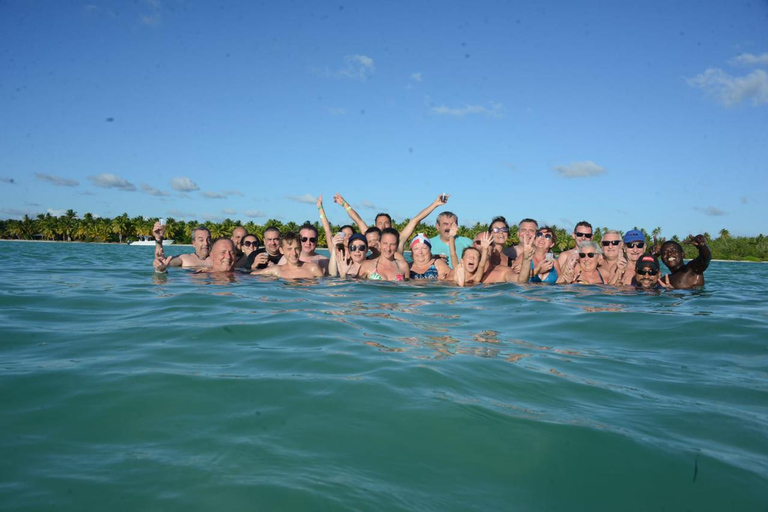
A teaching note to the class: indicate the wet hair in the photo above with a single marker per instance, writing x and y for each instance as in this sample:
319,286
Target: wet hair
373,229
383,215
391,231
495,220
528,220
547,229
348,226
448,214
200,228
291,236
585,224
271,228
309,226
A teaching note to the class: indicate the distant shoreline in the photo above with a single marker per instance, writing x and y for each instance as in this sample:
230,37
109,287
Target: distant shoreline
190,245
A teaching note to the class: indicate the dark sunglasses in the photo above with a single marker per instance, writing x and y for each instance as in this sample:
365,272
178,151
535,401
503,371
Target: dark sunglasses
249,243
545,235
500,230
312,239
585,235
636,245
585,254
606,243
355,248
647,272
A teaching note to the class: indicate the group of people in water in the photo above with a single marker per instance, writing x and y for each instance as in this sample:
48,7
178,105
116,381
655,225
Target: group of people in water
376,253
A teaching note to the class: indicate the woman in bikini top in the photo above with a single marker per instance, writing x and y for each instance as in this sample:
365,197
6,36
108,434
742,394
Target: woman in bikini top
424,266
586,271
385,267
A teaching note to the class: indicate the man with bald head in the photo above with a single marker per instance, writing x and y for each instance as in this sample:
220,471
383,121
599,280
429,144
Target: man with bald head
237,238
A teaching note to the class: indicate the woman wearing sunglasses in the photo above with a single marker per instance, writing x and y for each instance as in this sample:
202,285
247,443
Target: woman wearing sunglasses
583,269
249,244
425,266
343,265
544,266
499,232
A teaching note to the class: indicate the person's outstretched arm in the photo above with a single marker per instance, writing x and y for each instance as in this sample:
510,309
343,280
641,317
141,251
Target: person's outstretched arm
351,212
701,262
407,231
324,221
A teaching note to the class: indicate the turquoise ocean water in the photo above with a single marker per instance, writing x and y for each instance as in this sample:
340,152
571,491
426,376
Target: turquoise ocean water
126,390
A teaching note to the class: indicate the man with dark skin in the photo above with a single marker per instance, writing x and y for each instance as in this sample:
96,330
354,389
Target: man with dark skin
685,275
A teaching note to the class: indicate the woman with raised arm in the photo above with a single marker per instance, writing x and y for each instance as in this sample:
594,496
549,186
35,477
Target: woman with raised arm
386,267
425,266
343,265
583,270
544,266
518,272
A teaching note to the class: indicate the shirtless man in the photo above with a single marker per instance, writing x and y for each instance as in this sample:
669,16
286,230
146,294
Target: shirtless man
686,275
581,233
201,241
634,248
269,254
526,228
308,239
237,238
291,248
222,257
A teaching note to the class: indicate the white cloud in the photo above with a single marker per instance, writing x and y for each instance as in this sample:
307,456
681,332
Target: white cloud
56,180
15,213
232,192
229,211
731,90
416,77
153,191
109,180
712,211
494,110
254,213
580,169
56,213
749,59
369,205
184,185
153,15
8,180
358,67
213,195
306,198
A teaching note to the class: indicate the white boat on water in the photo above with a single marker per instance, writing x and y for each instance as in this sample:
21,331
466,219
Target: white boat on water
149,241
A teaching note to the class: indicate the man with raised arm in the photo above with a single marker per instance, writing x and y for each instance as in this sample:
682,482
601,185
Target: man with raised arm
527,228
221,258
292,248
384,221
685,275
447,228
201,241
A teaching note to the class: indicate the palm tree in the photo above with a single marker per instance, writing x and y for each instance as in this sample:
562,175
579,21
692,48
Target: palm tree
121,225
725,234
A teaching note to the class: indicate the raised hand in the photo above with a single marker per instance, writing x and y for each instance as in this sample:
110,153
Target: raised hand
161,263
486,241
697,240
338,199
454,229
320,202
158,230
442,199
527,243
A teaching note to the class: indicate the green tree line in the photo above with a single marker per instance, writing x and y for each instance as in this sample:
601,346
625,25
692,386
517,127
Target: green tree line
121,229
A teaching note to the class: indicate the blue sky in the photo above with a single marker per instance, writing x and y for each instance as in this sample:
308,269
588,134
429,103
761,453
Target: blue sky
621,113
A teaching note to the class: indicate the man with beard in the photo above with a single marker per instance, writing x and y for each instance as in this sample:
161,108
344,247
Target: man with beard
647,273
269,254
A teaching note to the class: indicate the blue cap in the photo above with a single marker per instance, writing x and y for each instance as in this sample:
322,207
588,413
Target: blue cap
634,235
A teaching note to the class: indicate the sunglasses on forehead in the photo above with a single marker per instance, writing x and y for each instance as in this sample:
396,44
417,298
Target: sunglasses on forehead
312,240
606,243
579,234
636,245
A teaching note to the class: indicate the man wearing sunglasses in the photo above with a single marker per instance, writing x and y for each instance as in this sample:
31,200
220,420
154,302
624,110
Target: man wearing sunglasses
613,252
581,233
634,248
647,273
308,239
